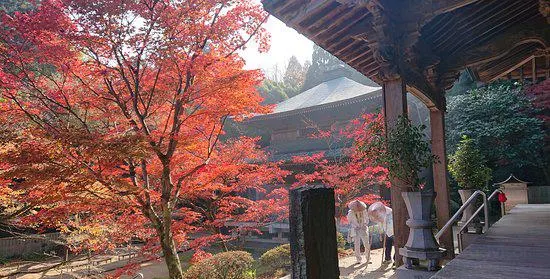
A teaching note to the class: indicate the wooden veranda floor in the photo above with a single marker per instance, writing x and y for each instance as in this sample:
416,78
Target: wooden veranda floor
517,246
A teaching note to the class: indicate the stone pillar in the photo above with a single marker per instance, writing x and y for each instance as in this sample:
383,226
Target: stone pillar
395,104
313,246
441,187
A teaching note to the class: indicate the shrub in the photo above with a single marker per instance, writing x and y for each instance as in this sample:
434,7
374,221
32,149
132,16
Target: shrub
405,152
226,265
468,166
341,240
275,261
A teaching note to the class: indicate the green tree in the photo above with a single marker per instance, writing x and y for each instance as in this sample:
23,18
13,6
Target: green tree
500,119
273,92
294,76
279,86
10,6
321,62
468,166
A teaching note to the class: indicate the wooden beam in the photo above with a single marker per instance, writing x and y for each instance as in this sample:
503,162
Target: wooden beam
490,24
521,75
516,66
441,186
298,14
395,105
498,47
445,6
422,97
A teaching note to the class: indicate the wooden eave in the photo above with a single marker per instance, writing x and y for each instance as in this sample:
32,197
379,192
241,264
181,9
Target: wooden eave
436,39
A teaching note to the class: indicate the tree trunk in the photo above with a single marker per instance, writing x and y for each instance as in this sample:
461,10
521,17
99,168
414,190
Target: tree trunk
171,256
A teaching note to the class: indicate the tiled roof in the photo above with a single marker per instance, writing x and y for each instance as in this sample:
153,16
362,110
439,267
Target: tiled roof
331,91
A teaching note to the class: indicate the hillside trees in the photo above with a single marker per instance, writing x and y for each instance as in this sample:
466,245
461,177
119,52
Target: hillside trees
321,62
114,111
281,85
500,119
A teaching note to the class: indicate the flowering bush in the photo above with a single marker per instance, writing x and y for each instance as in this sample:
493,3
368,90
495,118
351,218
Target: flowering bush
226,265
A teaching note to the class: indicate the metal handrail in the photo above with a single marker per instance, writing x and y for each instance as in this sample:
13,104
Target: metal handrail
465,225
485,207
453,219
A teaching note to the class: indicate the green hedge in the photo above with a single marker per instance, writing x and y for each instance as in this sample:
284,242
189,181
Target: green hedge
275,262
226,265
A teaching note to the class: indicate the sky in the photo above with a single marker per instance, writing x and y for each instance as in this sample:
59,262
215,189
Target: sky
285,42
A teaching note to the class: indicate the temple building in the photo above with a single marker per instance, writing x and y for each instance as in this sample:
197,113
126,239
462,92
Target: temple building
289,130
337,100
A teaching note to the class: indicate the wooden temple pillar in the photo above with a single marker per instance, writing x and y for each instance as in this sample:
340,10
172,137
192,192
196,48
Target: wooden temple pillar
395,105
441,187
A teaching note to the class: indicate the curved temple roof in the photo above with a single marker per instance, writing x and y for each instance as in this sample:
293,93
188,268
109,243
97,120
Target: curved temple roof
335,90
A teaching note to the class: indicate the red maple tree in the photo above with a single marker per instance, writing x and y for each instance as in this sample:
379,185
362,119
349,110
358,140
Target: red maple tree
348,167
540,97
112,113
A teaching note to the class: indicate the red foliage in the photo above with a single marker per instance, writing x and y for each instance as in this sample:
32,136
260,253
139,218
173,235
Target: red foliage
198,256
540,95
351,171
115,109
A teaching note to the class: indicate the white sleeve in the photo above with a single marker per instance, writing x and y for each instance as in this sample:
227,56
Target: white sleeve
366,218
351,219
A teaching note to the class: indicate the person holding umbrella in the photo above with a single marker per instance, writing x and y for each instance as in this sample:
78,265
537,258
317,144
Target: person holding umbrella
382,215
358,219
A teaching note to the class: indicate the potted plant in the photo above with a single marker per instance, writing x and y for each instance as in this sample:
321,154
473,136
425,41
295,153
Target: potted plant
468,167
407,152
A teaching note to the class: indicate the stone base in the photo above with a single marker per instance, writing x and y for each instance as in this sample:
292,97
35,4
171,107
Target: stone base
415,273
410,258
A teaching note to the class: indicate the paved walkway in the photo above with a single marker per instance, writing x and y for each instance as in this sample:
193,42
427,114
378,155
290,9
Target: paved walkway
157,269
374,270
517,246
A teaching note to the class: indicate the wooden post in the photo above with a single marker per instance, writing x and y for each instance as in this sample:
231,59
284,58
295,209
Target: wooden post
395,104
313,246
441,187
547,66
534,69
521,77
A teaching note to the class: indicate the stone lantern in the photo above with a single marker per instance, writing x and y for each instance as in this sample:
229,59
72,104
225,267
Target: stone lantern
515,190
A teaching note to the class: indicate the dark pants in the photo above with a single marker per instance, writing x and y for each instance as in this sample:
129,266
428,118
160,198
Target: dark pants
389,247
